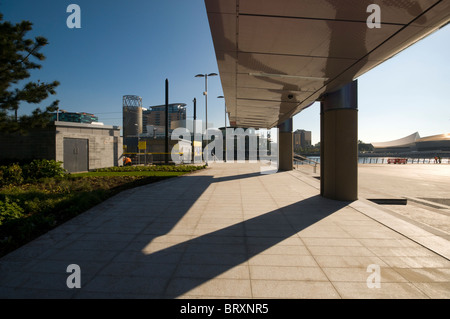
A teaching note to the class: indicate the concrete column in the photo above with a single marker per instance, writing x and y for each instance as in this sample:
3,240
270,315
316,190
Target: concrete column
285,146
339,144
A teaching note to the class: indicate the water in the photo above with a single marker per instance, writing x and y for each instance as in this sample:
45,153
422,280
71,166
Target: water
383,160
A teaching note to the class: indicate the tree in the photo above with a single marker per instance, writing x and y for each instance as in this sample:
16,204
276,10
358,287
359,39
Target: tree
16,53
364,147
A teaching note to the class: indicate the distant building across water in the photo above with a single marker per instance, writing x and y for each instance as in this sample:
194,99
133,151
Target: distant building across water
302,139
415,143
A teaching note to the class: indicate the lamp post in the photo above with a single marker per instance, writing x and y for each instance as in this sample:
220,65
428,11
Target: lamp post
206,106
224,130
58,110
194,128
139,151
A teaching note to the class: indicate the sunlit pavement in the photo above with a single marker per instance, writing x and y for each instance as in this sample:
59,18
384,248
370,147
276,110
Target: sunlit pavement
231,232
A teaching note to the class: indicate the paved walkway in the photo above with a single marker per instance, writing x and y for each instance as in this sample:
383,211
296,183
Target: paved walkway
231,232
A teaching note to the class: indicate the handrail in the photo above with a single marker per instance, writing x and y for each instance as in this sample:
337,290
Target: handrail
305,159
302,158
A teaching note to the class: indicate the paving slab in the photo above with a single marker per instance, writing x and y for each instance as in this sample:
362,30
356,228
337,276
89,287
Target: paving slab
231,232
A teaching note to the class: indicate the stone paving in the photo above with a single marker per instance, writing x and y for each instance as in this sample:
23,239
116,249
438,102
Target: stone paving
231,232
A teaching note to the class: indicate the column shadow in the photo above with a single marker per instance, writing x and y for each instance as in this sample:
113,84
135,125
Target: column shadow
208,256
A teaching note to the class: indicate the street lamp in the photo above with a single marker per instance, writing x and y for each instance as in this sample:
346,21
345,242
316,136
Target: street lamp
57,113
195,129
206,106
224,129
139,151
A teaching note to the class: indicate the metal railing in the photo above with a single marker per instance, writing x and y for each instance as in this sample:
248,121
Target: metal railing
305,161
302,160
408,160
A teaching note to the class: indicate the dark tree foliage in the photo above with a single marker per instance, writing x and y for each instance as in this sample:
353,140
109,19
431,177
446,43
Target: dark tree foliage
16,55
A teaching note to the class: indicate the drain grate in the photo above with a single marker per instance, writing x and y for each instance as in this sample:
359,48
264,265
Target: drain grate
389,201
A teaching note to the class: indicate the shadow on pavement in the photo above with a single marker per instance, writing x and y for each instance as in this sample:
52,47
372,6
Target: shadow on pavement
210,255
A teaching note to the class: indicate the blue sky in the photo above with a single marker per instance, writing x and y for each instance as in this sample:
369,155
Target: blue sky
131,47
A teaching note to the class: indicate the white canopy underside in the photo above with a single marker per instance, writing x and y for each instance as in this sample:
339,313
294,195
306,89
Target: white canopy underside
277,57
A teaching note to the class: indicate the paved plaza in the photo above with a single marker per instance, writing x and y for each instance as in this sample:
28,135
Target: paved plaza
231,232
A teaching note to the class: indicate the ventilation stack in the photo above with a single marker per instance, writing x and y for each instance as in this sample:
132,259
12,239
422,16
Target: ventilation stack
132,115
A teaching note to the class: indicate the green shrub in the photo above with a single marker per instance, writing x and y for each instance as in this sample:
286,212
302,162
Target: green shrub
11,174
153,168
9,210
42,168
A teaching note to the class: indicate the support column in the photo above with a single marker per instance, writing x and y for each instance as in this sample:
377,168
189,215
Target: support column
285,146
339,144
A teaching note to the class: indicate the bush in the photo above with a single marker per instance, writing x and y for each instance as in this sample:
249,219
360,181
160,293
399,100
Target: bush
153,168
42,168
9,210
11,174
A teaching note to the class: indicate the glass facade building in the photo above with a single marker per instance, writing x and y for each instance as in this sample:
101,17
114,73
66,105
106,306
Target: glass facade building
82,117
156,116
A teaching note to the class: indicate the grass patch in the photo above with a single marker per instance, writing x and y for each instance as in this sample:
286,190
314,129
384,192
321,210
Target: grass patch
31,209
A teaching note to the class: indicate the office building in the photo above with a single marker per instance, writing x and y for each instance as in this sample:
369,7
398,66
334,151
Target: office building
302,139
156,116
